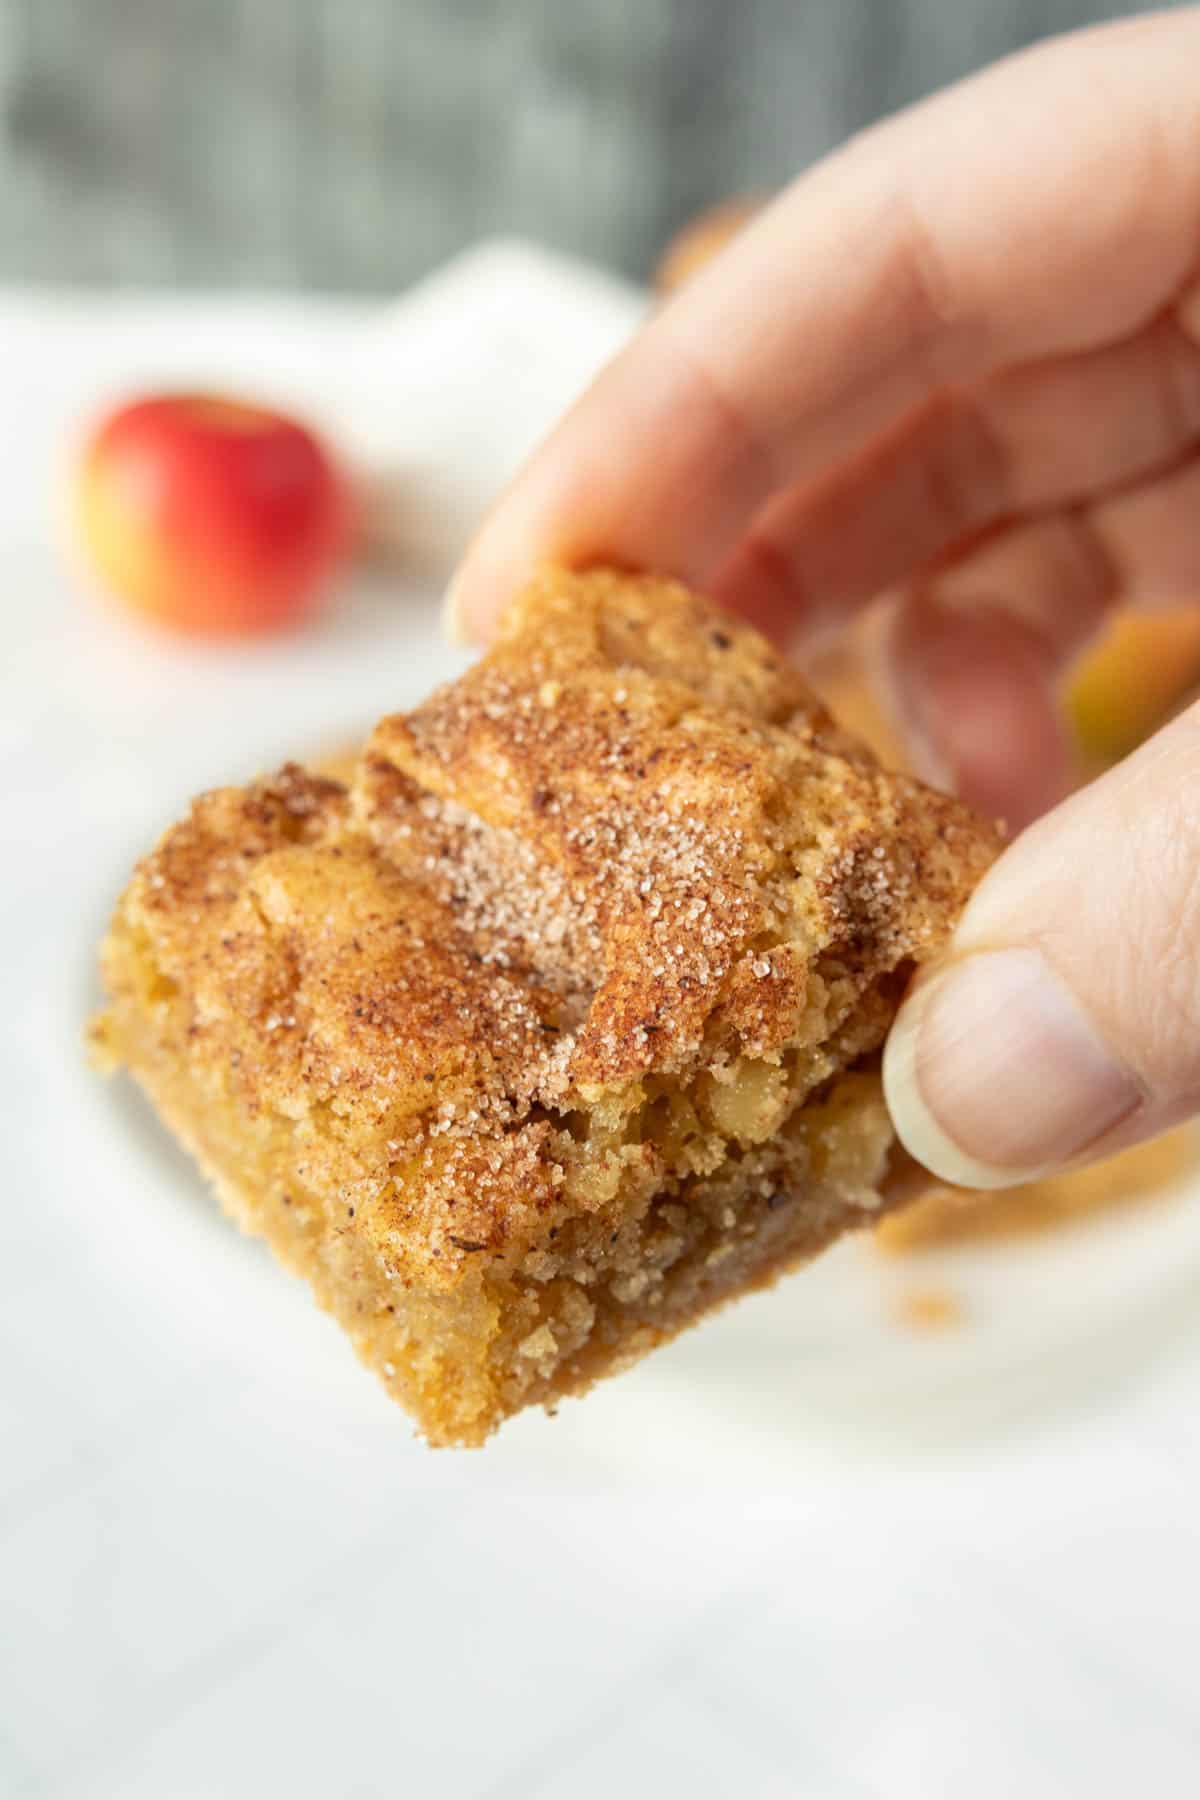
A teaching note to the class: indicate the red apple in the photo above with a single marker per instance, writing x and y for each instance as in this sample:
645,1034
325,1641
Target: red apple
210,515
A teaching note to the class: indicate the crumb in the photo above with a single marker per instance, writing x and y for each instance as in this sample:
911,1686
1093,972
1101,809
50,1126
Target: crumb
929,1309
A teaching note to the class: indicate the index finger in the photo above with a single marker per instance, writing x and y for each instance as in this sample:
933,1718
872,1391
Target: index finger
1049,205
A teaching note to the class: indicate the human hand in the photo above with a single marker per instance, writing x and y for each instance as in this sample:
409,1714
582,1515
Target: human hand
958,364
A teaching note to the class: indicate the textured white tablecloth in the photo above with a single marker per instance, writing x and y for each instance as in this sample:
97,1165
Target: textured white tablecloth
227,1571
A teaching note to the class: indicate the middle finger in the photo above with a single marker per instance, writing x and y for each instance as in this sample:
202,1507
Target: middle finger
1048,435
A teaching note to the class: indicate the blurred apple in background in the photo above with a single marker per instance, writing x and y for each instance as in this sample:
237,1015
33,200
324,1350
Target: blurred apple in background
1133,679
210,515
702,238
1141,670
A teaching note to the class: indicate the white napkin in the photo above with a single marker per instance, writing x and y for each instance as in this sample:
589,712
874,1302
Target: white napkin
452,386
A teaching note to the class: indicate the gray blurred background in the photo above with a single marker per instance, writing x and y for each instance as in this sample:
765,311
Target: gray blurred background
356,143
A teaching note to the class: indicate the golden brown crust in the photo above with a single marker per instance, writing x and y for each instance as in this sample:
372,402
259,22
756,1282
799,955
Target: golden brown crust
670,798
615,907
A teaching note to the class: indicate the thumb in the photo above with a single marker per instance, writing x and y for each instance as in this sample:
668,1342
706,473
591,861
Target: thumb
1064,1024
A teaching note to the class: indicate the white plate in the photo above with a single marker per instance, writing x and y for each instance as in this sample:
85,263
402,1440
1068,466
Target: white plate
473,366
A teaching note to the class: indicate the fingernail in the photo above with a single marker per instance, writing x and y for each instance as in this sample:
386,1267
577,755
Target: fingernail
454,621
994,1074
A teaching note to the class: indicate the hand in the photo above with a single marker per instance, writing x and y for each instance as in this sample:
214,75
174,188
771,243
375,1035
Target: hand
958,363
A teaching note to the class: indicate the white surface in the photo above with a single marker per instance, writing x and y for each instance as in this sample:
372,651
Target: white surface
799,1553
447,391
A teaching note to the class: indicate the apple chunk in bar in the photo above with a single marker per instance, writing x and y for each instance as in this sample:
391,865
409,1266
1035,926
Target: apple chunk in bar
558,1026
